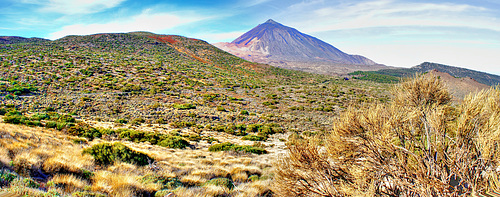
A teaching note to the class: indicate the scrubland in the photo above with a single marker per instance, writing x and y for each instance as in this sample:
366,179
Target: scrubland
141,114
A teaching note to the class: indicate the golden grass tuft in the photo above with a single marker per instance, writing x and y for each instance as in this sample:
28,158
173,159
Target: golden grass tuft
240,177
4,157
193,180
213,190
69,183
68,159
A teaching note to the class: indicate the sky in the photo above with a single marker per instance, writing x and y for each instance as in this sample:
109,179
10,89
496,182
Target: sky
402,33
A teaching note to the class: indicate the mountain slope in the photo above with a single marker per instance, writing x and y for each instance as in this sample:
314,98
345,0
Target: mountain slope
481,77
279,45
281,42
459,87
17,39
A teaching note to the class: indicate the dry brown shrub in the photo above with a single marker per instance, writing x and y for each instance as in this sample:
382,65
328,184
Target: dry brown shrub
417,145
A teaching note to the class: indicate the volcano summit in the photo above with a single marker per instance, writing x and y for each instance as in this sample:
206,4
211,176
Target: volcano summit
278,45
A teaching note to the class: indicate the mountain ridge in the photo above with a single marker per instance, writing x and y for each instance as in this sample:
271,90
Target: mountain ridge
18,39
481,77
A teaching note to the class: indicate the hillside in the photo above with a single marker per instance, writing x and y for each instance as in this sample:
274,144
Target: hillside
278,45
167,96
17,40
459,87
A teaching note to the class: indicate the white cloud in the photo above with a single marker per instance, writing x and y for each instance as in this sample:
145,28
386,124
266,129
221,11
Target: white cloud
146,21
71,7
320,16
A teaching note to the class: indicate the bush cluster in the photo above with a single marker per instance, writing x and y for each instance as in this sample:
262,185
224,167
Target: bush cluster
164,140
107,153
84,130
227,146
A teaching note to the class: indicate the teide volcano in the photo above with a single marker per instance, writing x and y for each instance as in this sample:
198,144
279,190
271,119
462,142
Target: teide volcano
282,46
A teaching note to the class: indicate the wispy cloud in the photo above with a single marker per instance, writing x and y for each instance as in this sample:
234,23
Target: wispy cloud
247,3
74,7
379,13
146,21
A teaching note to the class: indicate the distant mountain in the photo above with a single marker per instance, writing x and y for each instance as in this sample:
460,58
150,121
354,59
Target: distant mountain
17,39
282,46
459,87
481,77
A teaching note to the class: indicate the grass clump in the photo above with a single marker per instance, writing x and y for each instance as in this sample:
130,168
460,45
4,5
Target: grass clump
224,182
107,153
227,146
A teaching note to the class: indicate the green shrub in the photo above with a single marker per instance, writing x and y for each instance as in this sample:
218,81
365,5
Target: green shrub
195,138
254,138
132,135
67,118
210,139
227,146
121,121
221,108
224,182
182,124
174,142
13,112
165,182
252,128
84,130
61,125
7,177
244,112
253,178
51,124
31,183
32,123
137,121
185,106
15,119
79,141
106,154
40,116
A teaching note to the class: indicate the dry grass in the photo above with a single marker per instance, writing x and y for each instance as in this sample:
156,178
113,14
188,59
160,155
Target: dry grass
50,155
69,183
418,145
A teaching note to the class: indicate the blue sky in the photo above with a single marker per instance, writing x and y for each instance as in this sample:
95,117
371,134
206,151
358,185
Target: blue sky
402,33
